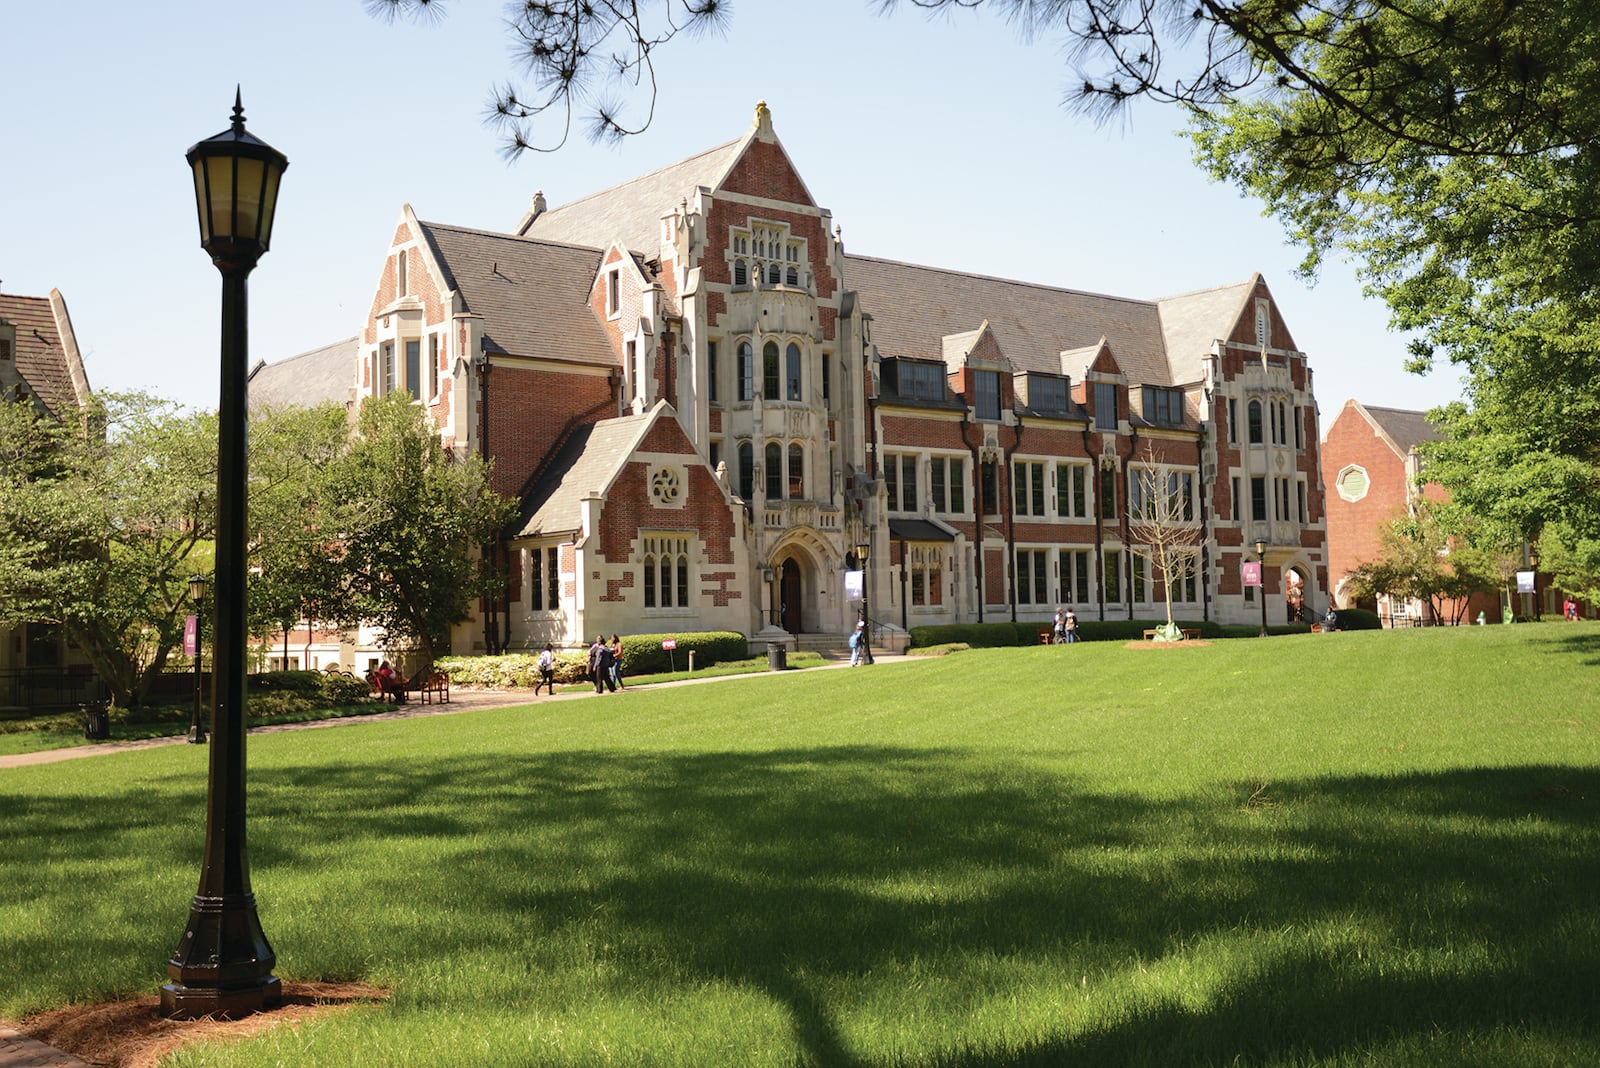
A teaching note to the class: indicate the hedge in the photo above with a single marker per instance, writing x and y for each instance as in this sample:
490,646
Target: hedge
642,654
1358,619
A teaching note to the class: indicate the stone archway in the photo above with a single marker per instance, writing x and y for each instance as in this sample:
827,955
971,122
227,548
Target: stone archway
798,601
1298,595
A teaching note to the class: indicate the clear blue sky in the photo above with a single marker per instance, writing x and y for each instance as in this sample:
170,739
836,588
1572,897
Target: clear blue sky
940,142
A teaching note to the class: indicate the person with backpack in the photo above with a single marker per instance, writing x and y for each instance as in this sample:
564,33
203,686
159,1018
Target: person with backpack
547,671
1069,625
600,663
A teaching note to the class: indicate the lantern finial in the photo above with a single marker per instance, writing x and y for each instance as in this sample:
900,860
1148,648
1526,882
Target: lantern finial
238,109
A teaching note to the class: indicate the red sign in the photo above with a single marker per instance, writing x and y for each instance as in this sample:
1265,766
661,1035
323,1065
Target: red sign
669,643
1250,572
191,626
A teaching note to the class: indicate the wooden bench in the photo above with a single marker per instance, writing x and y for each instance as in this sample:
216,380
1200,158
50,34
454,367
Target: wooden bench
1316,628
435,685
1044,635
1188,635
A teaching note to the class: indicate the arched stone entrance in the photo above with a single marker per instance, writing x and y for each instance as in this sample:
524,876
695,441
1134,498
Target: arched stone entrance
799,602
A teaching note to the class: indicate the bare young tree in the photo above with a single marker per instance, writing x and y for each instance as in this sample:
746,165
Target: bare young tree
1164,523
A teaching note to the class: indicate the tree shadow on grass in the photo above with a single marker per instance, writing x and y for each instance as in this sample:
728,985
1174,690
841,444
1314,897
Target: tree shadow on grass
1334,915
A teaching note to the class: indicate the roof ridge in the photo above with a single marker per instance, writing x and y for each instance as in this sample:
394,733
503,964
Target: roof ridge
641,177
999,278
1207,289
519,238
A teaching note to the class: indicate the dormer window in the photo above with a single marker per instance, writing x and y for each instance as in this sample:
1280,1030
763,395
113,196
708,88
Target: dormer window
986,395
1162,406
916,380
1105,406
1044,393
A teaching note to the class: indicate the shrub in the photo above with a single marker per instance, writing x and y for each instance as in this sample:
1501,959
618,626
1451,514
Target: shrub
974,635
337,688
1358,619
641,655
299,682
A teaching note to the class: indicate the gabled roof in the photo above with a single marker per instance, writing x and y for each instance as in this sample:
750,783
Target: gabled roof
306,380
46,351
914,309
1404,429
630,213
587,464
533,295
1190,322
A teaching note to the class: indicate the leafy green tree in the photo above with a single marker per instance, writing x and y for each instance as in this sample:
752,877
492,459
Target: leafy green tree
103,519
297,520
1419,561
1573,560
414,514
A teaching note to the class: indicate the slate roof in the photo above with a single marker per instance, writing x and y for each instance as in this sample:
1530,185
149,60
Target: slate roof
306,380
1405,428
1190,322
630,213
533,294
587,463
915,308
46,352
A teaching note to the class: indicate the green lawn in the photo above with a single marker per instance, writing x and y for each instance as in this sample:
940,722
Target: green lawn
1358,849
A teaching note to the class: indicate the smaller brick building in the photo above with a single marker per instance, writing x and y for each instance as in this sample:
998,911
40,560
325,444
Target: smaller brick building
1371,467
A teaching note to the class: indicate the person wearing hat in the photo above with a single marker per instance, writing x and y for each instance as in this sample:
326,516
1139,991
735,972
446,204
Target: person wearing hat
857,636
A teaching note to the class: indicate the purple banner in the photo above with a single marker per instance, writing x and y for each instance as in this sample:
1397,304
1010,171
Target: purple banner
191,631
1250,572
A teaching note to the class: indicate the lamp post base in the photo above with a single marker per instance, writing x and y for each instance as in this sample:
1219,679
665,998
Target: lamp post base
180,1001
197,735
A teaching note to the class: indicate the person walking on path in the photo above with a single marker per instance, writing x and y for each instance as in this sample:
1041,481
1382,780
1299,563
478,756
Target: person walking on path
616,661
600,661
547,671
1069,625
856,637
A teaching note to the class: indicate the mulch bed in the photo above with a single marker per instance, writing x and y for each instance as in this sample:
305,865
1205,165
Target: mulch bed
133,1034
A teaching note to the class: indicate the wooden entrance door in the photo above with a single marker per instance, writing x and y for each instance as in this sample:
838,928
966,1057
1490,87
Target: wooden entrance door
789,610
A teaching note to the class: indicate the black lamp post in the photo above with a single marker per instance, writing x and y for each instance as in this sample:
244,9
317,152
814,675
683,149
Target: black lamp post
863,551
197,594
223,965
1261,554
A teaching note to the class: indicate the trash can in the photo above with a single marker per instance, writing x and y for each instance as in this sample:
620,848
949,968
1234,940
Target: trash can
777,656
96,721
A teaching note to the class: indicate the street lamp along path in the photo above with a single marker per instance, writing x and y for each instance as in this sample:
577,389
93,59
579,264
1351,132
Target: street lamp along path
223,965
197,596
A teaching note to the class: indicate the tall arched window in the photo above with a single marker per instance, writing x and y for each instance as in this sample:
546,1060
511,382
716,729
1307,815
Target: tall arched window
747,471
774,471
741,273
797,472
1255,422
791,372
400,286
649,581
747,371
771,381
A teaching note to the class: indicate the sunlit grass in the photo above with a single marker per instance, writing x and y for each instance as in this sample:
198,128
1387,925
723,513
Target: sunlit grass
1347,849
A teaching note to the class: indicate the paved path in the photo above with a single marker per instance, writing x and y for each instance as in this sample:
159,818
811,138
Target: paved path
17,1051
460,701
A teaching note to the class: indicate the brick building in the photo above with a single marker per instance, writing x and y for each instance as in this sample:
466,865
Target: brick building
40,365
1371,466
704,403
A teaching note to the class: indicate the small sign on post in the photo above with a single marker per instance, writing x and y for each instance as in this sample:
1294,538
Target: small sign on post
670,644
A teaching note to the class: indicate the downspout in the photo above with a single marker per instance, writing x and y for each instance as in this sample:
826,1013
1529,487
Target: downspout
1011,516
1099,526
905,623
1127,534
1205,527
977,508
491,550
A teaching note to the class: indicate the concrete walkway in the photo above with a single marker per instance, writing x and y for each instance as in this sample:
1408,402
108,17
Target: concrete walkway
460,701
